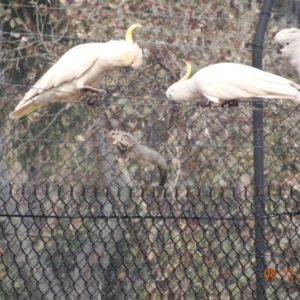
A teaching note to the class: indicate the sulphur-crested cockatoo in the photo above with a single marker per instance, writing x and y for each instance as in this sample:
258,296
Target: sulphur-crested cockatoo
79,70
229,81
288,45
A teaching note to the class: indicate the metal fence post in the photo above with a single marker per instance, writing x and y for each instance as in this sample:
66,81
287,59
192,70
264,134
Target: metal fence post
258,143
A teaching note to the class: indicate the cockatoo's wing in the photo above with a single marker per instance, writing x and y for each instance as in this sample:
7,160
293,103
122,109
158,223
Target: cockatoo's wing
70,66
227,81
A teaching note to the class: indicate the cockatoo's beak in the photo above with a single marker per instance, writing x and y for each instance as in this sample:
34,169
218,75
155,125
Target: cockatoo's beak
278,48
126,70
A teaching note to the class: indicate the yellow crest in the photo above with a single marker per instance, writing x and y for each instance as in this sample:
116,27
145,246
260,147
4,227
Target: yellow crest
129,32
188,71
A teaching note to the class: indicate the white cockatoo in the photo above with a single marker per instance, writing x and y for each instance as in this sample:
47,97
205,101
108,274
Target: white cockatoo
79,70
288,46
229,81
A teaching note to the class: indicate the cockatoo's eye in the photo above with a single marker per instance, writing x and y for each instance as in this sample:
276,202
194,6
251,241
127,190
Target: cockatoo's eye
287,43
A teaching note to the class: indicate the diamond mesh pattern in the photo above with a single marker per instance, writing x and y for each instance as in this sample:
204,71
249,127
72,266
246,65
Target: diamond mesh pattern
76,222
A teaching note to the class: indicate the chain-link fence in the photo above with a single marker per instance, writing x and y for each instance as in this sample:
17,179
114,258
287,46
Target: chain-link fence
79,221
137,244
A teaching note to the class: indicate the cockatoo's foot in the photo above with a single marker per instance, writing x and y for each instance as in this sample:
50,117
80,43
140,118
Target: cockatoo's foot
230,103
92,99
87,88
91,94
203,104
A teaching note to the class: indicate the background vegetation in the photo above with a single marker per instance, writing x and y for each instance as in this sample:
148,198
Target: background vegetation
77,251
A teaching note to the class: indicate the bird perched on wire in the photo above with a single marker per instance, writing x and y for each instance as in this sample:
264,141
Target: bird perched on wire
130,150
229,81
288,45
79,71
